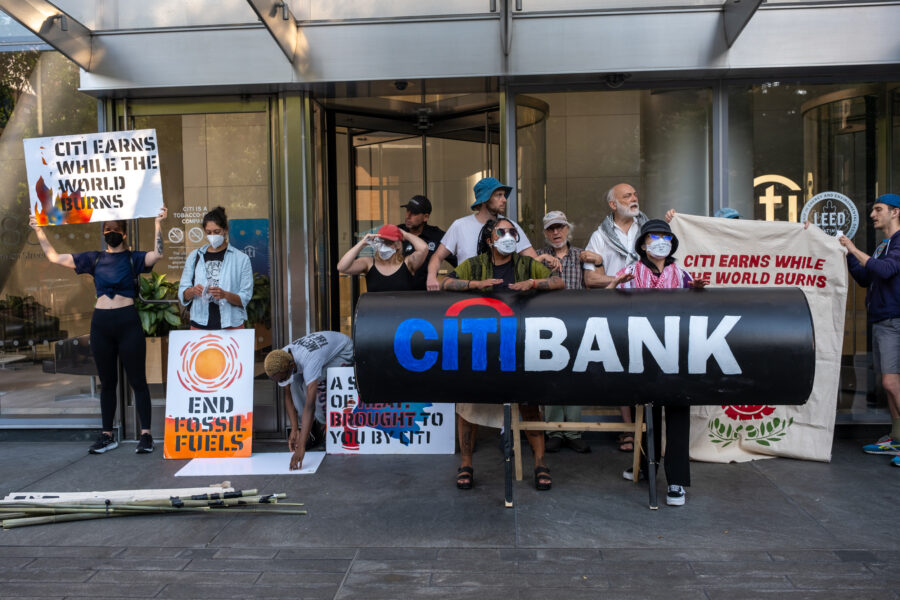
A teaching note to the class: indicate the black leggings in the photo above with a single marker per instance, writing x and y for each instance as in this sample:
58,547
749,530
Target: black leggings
116,333
678,443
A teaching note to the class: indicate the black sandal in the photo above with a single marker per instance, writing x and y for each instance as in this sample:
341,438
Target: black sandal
465,477
539,474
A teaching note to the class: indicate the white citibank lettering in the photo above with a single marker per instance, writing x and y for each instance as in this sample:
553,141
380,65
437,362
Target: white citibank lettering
544,350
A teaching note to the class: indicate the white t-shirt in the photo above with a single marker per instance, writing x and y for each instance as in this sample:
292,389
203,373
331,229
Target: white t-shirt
613,262
313,354
462,238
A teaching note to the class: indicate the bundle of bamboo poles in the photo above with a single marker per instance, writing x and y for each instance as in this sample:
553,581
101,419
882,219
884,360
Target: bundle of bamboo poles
24,509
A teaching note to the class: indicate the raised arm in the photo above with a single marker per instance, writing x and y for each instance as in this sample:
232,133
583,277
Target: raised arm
155,255
63,260
420,251
350,264
434,265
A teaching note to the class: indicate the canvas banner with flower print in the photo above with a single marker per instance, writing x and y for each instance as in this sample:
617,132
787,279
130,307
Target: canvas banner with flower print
743,253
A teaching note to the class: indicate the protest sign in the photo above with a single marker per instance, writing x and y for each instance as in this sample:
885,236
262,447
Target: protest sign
400,428
94,177
209,394
732,252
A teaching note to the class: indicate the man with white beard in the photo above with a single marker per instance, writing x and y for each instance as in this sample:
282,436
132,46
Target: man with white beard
611,247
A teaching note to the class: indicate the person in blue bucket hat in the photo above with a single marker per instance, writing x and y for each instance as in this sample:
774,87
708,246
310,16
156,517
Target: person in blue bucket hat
880,275
461,238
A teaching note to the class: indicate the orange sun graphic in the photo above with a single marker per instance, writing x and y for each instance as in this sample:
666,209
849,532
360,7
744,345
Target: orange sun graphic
210,364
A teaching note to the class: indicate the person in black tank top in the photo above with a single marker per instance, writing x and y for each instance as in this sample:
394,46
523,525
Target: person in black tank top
387,270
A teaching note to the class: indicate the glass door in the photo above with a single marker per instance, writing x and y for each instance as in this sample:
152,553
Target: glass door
214,154
387,166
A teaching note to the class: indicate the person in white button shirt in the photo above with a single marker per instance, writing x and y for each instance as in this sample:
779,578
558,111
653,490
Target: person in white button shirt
611,247
462,237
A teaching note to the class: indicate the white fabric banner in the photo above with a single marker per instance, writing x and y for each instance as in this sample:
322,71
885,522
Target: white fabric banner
742,253
400,428
94,177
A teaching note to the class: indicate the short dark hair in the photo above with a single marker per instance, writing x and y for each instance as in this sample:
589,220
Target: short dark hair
217,216
123,225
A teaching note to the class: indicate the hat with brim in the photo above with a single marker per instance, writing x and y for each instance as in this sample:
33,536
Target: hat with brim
556,217
655,226
889,199
485,188
391,233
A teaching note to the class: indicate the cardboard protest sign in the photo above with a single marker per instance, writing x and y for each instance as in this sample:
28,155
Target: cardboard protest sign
94,177
209,394
400,428
731,252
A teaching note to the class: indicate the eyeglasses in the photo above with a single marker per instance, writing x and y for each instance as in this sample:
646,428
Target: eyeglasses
661,236
501,231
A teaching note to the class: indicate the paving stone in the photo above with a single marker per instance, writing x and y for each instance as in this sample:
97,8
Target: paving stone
288,578
275,564
642,594
299,591
321,553
245,553
197,553
48,575
164,577
397,553
388,579
520,580
14,562
856,556
828,581
754,569
436,565
116,564
95,590
79,551
736,594
135,552
647,579
601,567
809,555
422,593
681,554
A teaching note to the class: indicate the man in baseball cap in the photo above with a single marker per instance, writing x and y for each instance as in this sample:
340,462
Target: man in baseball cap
418,210
878,273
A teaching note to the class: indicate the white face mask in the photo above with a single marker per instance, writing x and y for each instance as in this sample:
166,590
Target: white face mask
385,252
659,248
506,244
215,240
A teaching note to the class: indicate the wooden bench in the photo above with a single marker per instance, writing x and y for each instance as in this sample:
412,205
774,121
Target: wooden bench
636,429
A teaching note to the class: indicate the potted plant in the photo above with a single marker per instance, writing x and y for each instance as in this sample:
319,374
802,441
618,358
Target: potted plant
259,311
157,307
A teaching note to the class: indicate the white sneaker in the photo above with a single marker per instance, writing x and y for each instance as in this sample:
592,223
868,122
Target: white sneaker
629,474
675,495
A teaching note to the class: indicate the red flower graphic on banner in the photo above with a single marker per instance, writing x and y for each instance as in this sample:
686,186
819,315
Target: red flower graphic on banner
746,412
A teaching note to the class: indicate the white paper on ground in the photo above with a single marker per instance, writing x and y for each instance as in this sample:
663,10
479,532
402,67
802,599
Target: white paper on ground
264,463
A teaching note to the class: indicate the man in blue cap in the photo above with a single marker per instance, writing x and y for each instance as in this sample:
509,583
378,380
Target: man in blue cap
462,237
880,275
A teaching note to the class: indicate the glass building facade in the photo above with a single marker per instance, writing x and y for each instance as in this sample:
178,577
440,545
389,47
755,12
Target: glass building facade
313,137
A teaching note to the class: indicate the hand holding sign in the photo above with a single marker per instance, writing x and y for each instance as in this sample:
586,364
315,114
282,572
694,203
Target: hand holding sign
297,458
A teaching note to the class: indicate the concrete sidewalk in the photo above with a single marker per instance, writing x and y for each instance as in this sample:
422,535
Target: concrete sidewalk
396,527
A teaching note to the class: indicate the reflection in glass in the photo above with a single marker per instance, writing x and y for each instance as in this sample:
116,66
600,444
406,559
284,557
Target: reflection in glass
44,309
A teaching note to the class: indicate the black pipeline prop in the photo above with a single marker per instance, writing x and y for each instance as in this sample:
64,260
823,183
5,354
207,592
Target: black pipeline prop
589,347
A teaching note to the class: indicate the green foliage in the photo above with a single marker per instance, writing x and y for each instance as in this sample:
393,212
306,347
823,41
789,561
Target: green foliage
158,319
259,311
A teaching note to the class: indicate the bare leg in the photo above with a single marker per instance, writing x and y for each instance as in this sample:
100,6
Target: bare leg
891,383
466,433
535,438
